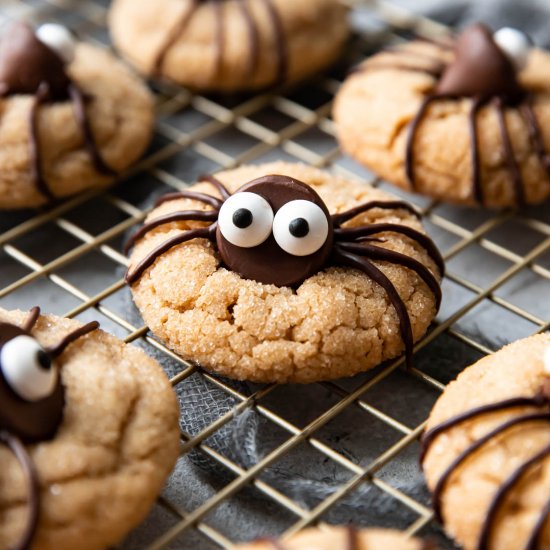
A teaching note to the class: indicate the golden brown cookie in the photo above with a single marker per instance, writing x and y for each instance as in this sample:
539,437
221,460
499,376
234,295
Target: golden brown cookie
487,450
274,283
229,45
466,122
88,434
72,120
340,538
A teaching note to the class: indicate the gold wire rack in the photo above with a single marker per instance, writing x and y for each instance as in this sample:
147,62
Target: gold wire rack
508,298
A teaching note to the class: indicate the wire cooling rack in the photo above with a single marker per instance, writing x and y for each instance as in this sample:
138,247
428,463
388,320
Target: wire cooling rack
68,260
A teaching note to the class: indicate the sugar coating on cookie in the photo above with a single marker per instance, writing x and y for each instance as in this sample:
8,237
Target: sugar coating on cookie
105,434
464,120
335,321
340,538
73,119
487,450
228,45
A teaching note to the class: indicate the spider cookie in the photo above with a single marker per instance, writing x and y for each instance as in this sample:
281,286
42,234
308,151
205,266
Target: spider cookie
229,45
285,273
486,452
341,538
88,434
71,116
466,122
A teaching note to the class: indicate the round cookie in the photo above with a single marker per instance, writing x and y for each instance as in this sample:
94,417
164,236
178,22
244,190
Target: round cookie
357,298
465,121
71,116
341,538
229,45
487,450
88,433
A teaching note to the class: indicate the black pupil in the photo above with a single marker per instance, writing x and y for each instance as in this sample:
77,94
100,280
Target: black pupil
242,218
299,228
43,360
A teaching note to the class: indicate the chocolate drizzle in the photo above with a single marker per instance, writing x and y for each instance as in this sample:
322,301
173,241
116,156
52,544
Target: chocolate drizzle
539,401
281,59
28,66
349,246
23,421
18,449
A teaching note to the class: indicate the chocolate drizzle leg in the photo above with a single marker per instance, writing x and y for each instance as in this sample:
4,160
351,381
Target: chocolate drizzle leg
17,448
83,120
253,38
34,145
280,44
352,538
533,542
477,103
509,156
535,134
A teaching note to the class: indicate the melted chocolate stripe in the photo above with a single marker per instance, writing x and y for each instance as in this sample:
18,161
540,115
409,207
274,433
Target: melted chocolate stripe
174,35
352,538
535,134
429,436
341,256
222,189
533,542
390,256
36,156
280,44
339,219
184,215
501,494
357,233
58,349
17,448
469,451
34,314
201,233
193,195
474,149
89,139
253,38
509,155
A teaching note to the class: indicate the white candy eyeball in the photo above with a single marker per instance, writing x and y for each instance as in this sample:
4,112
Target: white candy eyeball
547,361
300,227
59,39
514,44
27,369
245,219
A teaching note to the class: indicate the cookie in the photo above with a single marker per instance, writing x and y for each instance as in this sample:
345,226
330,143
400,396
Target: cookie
341,538
466,121
299,276
487,450
88,433
72,117
229,45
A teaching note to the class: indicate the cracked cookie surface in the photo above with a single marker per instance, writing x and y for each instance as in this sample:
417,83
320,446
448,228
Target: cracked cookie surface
336,323
229,45
515,371
117,443
376,105
120,111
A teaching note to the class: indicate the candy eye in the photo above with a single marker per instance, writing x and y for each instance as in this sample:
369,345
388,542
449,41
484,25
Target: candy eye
514,44
27,368
300,228
59,39
245,219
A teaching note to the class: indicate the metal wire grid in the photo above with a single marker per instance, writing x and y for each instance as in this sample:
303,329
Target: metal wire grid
274,125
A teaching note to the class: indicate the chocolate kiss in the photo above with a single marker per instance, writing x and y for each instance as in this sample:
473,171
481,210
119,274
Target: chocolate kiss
480,68
25,63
